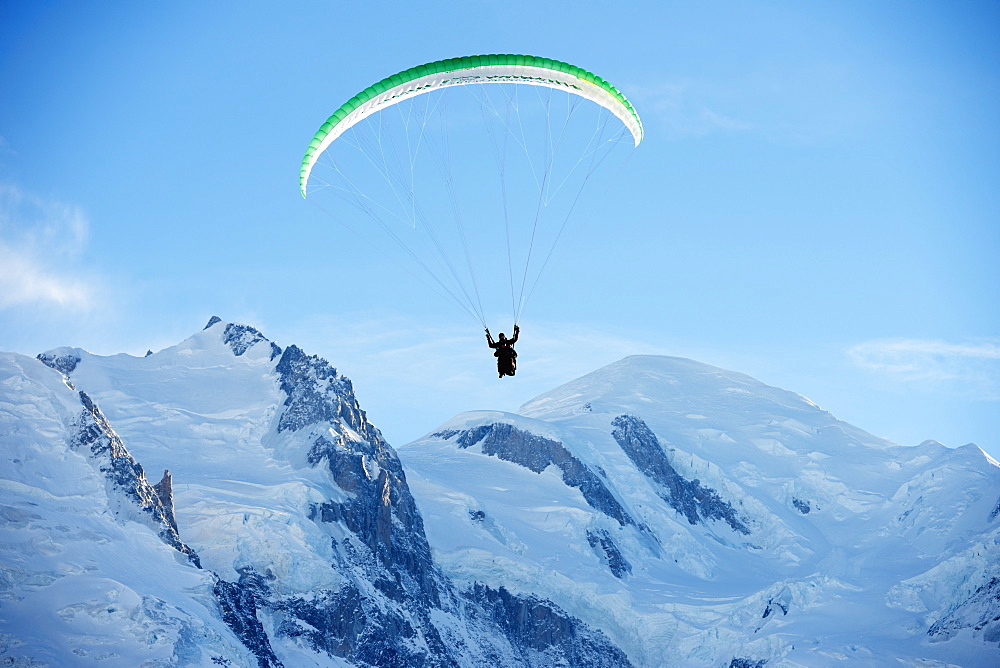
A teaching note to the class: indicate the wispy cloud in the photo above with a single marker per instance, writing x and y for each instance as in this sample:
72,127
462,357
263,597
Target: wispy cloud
23,280
802,103
40,244
684,108
972,367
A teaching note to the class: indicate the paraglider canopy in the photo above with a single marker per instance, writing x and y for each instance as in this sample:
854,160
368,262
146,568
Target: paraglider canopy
413,152
492,68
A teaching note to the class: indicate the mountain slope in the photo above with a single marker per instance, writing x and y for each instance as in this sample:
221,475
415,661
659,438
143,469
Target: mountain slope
88,554
285,533
655,512
695,513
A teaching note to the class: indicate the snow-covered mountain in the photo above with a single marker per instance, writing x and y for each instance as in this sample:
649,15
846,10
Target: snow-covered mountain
699,517
656,512
283,534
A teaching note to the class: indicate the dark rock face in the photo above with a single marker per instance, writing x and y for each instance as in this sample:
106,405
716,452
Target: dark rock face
241,337
315,394
125,478
747,663
980,612
332,621
696,502
387,541
774,604
543,634
164,490
384,614
995,512
802,506
384,517
365,631
537,453
239,611
381,510
64,364
606,548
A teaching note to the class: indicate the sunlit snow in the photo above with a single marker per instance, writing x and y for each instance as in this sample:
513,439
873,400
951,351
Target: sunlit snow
741,521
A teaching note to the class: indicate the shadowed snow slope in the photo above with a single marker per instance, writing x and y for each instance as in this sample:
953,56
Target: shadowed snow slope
700,517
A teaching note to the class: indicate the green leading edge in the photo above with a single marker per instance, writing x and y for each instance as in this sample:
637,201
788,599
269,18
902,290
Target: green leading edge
491,68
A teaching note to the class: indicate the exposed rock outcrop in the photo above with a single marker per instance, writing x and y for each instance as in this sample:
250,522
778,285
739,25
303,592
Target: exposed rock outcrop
130,495
164,490
64,363
979,612
238,606
537,453
689,497
241,338
395,607
604,546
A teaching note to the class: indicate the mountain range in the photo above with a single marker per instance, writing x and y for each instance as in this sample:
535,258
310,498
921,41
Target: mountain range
227,502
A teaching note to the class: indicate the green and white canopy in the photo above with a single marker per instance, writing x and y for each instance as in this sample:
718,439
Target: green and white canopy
493,68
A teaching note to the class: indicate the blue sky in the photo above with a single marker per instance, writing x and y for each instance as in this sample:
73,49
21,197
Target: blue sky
814,204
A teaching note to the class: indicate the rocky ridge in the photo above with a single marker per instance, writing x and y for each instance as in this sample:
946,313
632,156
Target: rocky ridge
385,602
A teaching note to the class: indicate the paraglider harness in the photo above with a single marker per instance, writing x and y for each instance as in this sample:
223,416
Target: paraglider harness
504,352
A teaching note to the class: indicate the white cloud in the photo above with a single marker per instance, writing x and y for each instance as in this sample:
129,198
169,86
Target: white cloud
23,280
40,244
973,366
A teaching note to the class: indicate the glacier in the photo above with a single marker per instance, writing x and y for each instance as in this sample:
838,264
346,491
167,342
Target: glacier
656,512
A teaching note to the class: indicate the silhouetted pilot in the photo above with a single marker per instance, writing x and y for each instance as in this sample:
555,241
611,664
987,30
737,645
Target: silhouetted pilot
505,353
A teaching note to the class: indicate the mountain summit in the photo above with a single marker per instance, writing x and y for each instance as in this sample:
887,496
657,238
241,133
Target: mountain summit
284,534
696,513
655,512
